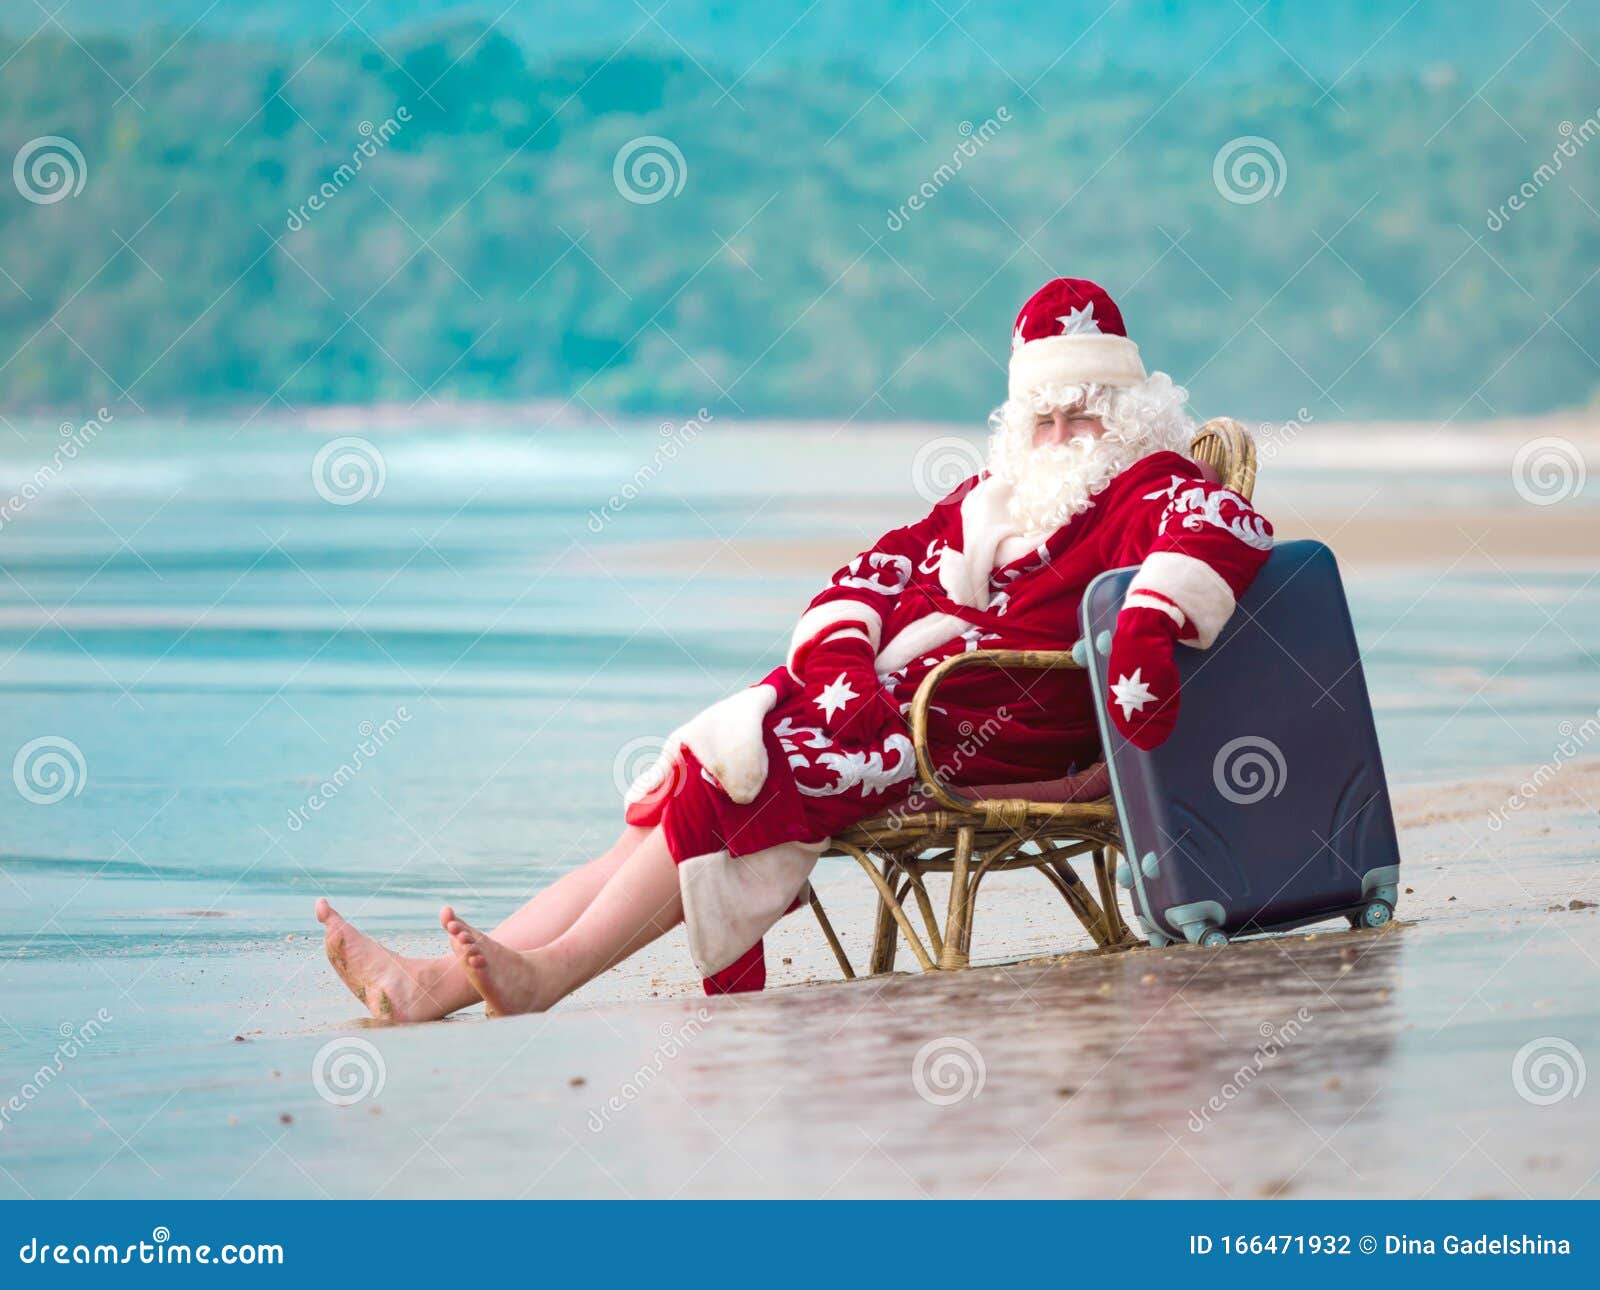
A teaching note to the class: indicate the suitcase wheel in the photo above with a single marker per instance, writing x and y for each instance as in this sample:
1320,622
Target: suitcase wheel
1158,941
1375,913
1213,937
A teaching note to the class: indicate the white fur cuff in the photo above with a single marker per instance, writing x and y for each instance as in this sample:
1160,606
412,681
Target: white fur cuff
729,738
816,621
1149,600
920,636
1193,585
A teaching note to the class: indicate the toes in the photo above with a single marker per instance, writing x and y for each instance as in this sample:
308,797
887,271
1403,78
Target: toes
325,911
463,937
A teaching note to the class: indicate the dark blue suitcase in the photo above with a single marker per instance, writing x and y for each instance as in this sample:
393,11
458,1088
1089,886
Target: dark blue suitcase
1267,808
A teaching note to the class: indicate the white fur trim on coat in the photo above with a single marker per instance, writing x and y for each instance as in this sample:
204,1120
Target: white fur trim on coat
1193,585
1149,600
730,902
728,738
1080,359
919,637
816,620
985,523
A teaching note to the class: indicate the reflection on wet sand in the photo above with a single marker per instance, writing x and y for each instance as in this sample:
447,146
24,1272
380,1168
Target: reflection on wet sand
1081,1076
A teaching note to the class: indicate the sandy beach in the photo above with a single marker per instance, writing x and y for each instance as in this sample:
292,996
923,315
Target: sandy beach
1467,540
1153,1073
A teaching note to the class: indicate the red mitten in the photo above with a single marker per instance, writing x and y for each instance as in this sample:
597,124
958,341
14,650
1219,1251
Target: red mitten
842,691
1143,677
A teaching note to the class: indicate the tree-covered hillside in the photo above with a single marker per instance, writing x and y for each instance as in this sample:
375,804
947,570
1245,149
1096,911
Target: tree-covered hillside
916,38
240,238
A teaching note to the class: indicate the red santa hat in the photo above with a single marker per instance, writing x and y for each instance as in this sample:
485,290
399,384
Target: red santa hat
1071,333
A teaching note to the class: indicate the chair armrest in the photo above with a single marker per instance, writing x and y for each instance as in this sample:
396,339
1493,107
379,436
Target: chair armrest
1041,660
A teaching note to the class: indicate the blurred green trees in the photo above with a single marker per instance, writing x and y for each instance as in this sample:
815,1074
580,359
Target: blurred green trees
483,249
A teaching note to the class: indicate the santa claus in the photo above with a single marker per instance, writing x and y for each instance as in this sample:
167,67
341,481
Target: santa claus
1086,473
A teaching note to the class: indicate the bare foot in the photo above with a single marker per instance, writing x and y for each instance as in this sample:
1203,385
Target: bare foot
504,977
393,987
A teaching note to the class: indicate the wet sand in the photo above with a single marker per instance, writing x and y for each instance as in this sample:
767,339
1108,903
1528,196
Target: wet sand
1336,1064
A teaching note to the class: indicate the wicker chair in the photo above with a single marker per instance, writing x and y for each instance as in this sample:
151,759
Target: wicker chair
970,839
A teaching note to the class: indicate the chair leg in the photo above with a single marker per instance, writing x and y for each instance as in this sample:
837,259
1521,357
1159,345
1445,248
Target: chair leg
954,952
1078,899
887,896
920,889
1118,932
832,938
885,935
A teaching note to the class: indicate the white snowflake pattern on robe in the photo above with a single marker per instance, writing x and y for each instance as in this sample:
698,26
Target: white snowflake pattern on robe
872,771
899,568
1201,504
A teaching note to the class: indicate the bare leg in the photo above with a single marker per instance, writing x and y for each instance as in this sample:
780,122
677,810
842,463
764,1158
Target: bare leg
397,988
640,903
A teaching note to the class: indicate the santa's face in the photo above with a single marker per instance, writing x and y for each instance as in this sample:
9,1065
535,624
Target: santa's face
1063,425
1058,447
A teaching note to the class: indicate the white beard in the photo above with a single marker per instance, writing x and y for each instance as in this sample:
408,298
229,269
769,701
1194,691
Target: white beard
1052,484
